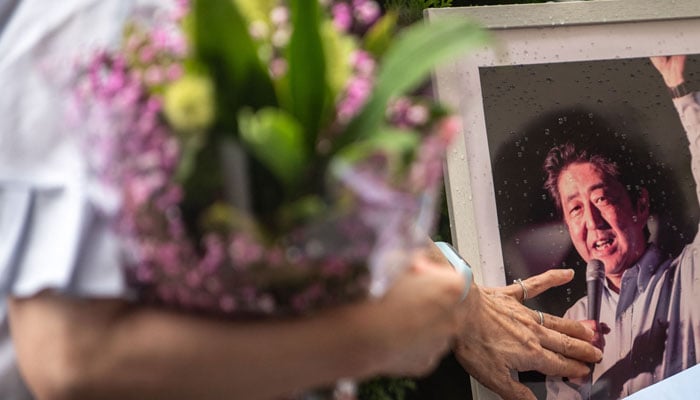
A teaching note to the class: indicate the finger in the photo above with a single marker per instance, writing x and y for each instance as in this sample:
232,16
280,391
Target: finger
514,290
537,284
518,291
554,364
558,342
569,327
590,324
679,60
569,347
659,61
547,280
539,317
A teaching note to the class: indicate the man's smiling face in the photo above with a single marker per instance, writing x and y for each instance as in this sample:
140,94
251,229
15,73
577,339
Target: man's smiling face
602,221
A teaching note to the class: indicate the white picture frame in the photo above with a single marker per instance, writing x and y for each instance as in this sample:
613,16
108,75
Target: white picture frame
584,56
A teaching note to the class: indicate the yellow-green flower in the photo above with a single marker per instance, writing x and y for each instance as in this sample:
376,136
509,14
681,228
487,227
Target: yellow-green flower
189,103
256,10
337,49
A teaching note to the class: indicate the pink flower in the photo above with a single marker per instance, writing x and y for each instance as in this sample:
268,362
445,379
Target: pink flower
173,72
244,251
160,38
366,11
147,54
342,16
334,266
449,127
182,7
193,279
227,303
417,115
214,253
279,15
154,75
144,273
140,189
363,62
427,170
356,94
278,67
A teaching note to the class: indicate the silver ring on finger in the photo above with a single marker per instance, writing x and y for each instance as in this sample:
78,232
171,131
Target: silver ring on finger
522,285
541,315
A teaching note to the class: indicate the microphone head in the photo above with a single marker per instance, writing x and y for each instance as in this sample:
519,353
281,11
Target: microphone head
595,270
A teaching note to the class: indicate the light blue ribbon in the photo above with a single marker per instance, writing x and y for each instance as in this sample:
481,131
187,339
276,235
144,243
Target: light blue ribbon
458,264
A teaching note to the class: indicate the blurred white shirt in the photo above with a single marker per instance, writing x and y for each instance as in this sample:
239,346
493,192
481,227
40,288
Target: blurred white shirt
54,216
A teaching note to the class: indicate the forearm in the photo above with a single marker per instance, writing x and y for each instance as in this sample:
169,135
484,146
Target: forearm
688,108
672,70
103,350
92,349
244,360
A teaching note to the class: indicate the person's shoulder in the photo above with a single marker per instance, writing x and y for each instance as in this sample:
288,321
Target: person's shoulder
688,262
578,310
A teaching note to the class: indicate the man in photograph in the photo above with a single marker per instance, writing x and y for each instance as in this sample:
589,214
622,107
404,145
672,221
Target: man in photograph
650,307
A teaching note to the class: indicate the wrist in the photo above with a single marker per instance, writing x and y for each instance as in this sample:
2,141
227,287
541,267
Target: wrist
682,88
459,264
471,315
473,299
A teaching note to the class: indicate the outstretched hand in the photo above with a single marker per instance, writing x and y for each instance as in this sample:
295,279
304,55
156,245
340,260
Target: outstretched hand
535,285
671,68
500,335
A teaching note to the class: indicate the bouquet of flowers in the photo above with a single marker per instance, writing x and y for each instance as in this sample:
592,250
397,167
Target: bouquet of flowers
269,155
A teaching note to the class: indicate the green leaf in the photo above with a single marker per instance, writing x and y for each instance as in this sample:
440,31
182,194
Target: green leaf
303,209
415,53
224,218
224,46
338,49
386,388
276,139
256,10
378,38
396,145
191,146
307,68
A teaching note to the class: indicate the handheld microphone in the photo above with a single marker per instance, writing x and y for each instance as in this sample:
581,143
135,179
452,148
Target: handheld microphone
595,273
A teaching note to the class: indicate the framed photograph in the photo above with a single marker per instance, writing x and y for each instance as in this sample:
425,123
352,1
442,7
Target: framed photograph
554,73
